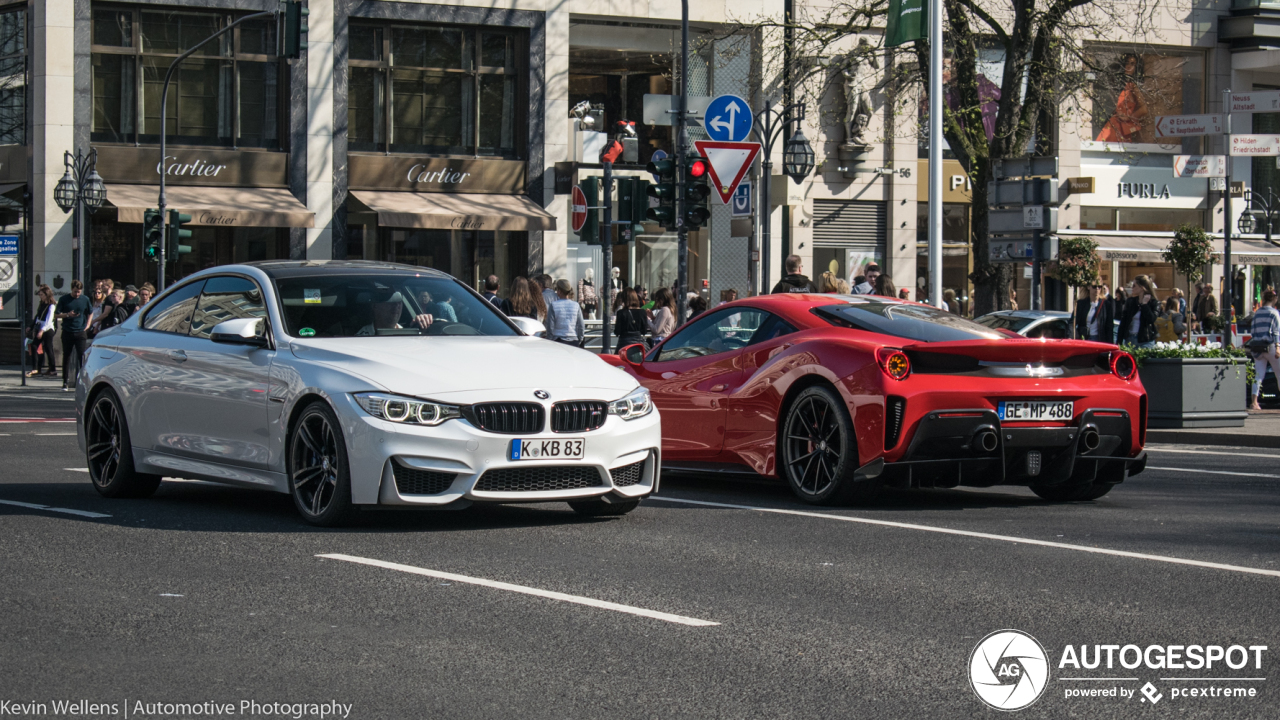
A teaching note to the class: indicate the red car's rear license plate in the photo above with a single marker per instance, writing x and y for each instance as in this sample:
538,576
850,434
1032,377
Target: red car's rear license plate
1035,410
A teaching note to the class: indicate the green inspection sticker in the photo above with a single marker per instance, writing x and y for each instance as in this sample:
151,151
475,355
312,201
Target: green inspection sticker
307,332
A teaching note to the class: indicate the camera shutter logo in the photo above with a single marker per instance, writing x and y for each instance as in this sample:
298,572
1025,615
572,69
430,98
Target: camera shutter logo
1009,670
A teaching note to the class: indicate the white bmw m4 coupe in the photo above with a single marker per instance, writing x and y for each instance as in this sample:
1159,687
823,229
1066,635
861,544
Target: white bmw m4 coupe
349,384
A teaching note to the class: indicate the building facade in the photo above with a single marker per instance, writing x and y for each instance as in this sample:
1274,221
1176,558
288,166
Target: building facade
448,135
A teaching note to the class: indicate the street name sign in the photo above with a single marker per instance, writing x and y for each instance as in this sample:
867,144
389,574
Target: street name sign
579,203
1024,167
728,119
1250,145
729,163
1183,125
1252,102
8,244
1199,166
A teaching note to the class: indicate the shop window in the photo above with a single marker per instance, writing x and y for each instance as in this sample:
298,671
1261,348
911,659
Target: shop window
468,255
1096,218
1158,219
1133,86
1265,175
227,94
13,77
955,222
618,80
435,89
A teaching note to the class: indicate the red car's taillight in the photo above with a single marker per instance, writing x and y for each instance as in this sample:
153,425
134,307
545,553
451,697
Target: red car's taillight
894,363
1123,365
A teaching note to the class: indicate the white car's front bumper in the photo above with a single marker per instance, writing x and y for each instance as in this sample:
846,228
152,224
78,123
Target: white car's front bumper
401,464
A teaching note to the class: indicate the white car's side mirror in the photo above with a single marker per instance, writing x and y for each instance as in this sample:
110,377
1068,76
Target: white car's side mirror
241,331
529,326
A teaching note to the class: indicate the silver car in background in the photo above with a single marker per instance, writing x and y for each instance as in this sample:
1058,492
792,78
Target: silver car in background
353,383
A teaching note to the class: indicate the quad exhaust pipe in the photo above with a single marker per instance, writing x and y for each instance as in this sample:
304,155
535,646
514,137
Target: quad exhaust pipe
986,441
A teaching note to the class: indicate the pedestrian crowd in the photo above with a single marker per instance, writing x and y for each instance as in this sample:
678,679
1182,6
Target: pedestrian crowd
78,318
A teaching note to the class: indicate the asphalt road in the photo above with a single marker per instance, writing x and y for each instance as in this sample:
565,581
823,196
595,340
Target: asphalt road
203,593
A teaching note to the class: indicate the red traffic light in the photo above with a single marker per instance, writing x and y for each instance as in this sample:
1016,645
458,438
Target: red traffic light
698,168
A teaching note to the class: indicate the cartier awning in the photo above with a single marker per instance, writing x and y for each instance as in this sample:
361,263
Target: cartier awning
225,206
456,211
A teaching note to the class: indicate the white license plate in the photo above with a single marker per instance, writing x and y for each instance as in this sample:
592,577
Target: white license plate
1036,410
553,449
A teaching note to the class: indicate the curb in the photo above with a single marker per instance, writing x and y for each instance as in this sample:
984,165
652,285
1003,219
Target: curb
1192,437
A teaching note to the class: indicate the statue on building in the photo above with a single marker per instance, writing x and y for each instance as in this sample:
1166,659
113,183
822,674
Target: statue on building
857,100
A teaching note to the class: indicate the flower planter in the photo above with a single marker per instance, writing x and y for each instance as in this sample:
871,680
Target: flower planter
1194,392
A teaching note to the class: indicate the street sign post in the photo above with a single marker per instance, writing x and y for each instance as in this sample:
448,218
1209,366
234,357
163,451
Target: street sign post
1185,125
728,119
1254,102
1022,220
1024,167
1253,145
11,275
579,209
741,205
729,163
1194,166
1036,191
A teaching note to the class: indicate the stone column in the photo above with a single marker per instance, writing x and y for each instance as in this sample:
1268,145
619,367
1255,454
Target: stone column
53,132
555,243
319,150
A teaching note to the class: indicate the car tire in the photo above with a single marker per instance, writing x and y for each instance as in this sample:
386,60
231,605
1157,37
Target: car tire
600,508
1072,493
319,475
819,451
109,451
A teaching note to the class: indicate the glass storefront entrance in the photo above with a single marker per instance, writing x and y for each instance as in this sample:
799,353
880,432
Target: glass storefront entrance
469,255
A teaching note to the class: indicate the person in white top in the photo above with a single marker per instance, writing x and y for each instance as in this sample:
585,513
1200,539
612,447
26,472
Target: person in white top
42,334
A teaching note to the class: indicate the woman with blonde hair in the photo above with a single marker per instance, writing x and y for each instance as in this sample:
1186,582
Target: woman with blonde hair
842,286
827,283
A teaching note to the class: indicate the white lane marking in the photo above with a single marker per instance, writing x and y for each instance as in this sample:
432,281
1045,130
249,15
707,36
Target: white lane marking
578,599
1061,679
20,420
76,469
1234,679
68,511
1215,472
987,536
1151,448
54,434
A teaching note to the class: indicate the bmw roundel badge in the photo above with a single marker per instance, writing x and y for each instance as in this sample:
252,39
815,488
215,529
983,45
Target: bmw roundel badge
541,394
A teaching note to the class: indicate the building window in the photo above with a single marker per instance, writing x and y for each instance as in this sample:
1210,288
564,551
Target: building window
1133,86
13,77
227,94
443,90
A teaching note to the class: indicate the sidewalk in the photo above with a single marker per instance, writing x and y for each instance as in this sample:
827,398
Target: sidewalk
1261,430
11,379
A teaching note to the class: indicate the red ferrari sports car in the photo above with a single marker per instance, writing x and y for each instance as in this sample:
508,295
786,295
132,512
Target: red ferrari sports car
842,395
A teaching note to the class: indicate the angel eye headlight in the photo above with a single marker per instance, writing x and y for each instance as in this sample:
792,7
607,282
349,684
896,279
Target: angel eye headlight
635,405
400,409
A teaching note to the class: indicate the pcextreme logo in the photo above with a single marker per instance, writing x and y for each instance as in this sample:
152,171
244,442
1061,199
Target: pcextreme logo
1009,670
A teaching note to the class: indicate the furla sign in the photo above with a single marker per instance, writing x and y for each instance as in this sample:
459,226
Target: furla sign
193,166
1142,187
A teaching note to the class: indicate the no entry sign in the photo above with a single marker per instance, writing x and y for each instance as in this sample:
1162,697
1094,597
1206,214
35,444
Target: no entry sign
579,203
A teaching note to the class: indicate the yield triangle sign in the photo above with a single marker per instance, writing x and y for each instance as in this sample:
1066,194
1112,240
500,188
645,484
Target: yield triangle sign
729,163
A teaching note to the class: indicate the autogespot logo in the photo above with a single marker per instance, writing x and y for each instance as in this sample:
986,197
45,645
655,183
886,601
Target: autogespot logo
1009,670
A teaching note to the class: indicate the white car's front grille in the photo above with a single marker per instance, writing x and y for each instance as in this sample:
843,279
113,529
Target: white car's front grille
511,418
538,479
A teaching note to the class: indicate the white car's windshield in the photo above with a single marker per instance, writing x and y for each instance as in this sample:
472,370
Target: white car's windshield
375,305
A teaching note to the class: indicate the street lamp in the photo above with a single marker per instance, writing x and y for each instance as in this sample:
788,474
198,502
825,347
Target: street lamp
1265,215
80,188
797,163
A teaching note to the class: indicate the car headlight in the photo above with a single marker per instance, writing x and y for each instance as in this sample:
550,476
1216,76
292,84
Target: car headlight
635,405
401,409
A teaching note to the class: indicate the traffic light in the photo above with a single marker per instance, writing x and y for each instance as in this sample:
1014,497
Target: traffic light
294,33
152,234
176,249
590,233
665,191
633,200
697,190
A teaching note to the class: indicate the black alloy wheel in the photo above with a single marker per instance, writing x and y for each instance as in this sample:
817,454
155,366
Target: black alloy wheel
819,450
109,451
319,478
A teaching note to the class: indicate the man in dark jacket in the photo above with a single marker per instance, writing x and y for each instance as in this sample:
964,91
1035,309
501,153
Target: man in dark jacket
491,287
1095,318
794,281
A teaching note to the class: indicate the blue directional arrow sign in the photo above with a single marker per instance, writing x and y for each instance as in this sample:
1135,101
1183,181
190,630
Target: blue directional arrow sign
728,119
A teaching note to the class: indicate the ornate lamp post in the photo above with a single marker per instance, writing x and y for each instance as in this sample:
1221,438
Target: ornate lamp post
1265,214
797,163
80,188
